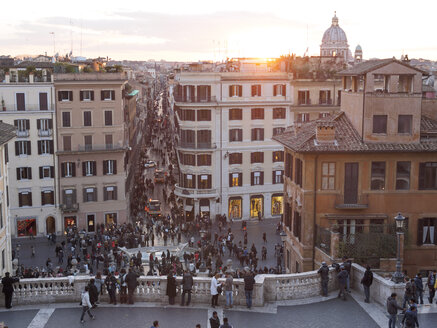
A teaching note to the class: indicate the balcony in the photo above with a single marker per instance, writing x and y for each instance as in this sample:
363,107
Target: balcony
198,146
349,203
45,133
69,208
27,108
94,147
193,193
325,102
304,102
198,99
22,134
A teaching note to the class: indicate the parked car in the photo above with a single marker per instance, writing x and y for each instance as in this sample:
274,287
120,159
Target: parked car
153,207
149,164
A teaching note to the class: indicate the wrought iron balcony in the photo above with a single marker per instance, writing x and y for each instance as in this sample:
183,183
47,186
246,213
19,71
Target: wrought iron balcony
70,208
349,202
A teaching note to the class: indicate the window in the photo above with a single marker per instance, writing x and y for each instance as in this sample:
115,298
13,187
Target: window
43,101
328,176
47,197
66,141
204,115
257,157
204,138
298,172
22,148
69,197
428,176
108,117
21,103
107,95
188,115
90,194
278,113
256,178
325,97
235,114
257,134
235,206
189,159
204,160
256,90
278,177
235,135
279,90
87,95
287,216
65,95
297,225
303,97
66,121
278,156
235,91
324,114
189,181
109,167
277,204
46,172
109,193
405,124
108,141
427,231
22,127
187,138
89,168
45,147
257,113
277,131
68,169
111,218
88,142
24,198
256,206
303,117
44,127
204,181
378,176
379,124
403,175
235,179
289,166
87,118
24,173
236,158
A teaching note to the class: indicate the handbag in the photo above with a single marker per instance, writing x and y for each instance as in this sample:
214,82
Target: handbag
219,289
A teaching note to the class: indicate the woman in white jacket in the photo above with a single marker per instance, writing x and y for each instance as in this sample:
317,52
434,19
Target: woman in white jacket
86,305
214,290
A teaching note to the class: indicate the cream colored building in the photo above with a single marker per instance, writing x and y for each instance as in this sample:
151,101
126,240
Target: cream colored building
7,132
28,104
92,145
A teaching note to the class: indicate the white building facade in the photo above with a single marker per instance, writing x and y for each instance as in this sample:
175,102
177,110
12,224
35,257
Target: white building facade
228,162
28,104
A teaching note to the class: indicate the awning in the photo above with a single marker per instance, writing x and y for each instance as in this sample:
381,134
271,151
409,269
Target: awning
204,208
188,208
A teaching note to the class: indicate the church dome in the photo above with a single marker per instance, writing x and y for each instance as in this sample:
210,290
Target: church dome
358,48
334,34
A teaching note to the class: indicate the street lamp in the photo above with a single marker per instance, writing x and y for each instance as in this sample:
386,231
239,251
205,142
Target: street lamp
398,277
283,239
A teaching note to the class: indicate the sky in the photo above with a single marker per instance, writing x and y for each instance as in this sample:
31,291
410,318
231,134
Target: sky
193,30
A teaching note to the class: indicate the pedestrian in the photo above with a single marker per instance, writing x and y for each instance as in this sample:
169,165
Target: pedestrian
347,266
155,324
342,281
171,288
410,291
324,278
8,289
198,325
93,293
187,286
249,282
111,287
215,290
367,281
410,318
228,290
33,251
418,282
392,309
214,321
226,323
86,305
123,286
132,283
432,280
264,238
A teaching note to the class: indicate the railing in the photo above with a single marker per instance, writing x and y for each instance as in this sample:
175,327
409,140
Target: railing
198,99
304,102
28,108
94,147
22,134
45,133
345,202
74,207
199,145
325,102
190,191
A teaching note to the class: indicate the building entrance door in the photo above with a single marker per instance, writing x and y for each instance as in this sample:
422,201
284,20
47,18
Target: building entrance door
350,183
91,222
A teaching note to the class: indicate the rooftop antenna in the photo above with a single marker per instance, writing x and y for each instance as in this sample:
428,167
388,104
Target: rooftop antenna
71,37
54,43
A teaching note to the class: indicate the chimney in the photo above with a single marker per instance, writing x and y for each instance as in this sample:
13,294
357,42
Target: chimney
325,132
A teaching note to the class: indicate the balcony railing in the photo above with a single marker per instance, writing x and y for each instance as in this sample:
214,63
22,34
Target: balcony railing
198,99
45,133
304,102
180,191
199,145
325,101
27,108
69,208
350,203
94,147
22,134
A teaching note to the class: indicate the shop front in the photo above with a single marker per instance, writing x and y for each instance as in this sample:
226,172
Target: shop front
235,208
91,222
277,204
189,209
256,206
204,207
69,222
26,226
111,218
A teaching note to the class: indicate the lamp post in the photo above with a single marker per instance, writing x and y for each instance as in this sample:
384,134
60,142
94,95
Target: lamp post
398,277
283,239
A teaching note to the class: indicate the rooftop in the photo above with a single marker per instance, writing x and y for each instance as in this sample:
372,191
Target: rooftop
7,132
371,65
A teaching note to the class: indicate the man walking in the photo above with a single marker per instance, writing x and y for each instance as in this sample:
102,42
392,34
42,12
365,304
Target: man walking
410,318
392,309
8,289
342,281
86,305
228,290
249,282
214,290
214,321
367,281
131,280
187,286
410,291
432,278
324,278
418,282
